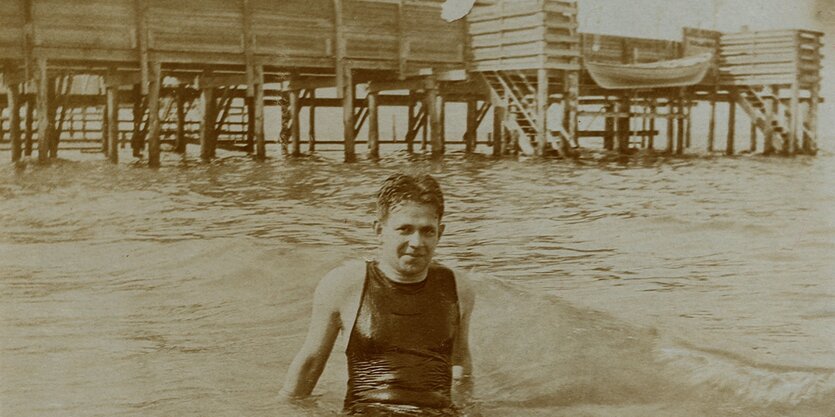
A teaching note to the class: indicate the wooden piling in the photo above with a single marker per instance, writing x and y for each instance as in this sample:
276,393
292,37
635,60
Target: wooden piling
43,109
207,122
753,137
441,123
772,109
348,112
794,101
112,115
572,107
425,127
180,144
711,127
249,48
155,84
29,125
609,131
105,129
136,138
688,124
680,122
624,108
653,107
65,97
472,121
311,130
410,125
13,103
51,134
810,146
373,126
541,111
498,130
141,8
432,110
424,135
729,145
296,149
249,104
671,119
260,139
794,119
644,128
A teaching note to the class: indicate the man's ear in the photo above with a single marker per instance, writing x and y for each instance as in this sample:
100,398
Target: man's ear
441,228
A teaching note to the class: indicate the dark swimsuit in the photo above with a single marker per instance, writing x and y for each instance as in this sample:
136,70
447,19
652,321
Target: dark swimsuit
400,348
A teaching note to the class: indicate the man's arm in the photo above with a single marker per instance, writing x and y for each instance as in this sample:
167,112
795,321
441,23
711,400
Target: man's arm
461,359
307,366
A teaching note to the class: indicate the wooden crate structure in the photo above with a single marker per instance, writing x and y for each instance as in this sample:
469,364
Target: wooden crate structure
778,57
523,35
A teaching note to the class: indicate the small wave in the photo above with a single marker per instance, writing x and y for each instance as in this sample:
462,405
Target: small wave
758,382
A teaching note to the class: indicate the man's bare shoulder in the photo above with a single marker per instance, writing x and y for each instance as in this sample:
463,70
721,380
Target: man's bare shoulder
342,281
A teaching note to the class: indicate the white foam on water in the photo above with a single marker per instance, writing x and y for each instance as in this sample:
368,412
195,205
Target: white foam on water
755,382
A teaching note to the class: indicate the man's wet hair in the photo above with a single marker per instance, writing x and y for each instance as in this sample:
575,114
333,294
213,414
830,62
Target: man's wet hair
415,188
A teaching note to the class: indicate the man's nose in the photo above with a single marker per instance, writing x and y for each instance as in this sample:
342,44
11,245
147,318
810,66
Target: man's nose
415,239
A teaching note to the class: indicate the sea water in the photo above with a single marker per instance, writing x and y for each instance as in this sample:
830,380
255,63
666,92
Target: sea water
645,286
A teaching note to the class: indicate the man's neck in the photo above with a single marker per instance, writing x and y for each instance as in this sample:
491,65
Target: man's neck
393,275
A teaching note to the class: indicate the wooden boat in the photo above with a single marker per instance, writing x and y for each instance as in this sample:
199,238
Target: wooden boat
674,73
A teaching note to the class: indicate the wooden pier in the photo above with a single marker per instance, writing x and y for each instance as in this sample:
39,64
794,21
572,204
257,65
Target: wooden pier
202,72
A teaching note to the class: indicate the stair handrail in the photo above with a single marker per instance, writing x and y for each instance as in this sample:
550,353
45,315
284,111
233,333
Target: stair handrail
510,84
522,108
531,89
752,111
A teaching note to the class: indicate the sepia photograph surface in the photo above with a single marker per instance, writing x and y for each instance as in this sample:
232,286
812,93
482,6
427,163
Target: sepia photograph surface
604,208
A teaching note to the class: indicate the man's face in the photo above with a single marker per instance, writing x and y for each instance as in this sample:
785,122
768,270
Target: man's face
408,237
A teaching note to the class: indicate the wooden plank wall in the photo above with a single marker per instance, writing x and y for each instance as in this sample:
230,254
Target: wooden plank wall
767,57
562,44
507,35
809,58
430,39
90,28
302,29
207,26
523,34
371,30
287,32
699,41
11,29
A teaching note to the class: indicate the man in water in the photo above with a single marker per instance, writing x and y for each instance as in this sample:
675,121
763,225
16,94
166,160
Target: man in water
406,318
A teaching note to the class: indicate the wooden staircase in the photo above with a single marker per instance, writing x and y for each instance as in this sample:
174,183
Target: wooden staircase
514,91
754,103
